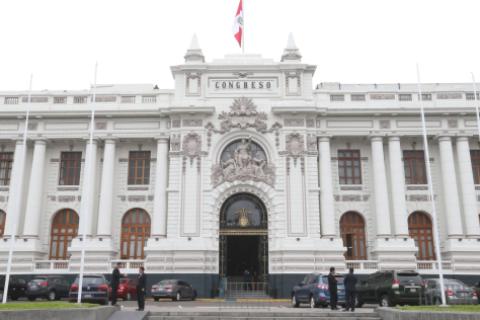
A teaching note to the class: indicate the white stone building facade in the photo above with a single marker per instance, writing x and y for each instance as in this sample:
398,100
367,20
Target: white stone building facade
310,166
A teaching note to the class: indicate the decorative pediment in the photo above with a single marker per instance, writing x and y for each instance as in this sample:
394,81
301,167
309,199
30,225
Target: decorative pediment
295,144
243,114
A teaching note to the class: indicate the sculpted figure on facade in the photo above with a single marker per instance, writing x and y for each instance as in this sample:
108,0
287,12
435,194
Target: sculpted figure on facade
243,160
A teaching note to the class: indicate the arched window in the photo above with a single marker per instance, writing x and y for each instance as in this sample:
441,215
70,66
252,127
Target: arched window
64,229
3,217
352,231
135,232
420,230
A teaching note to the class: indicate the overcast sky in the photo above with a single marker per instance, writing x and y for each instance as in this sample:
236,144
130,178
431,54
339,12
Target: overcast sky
350,41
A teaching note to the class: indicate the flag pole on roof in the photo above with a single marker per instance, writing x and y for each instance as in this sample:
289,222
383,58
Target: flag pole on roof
239,27
436,235
85,213
18,187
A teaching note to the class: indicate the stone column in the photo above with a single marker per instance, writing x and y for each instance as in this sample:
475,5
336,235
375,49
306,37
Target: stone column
450,190
159,225
33,211
15,190
105,207
397,183
88,189
382,212
467,185
327,209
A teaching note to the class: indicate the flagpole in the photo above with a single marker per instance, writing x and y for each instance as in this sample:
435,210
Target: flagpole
19,188
474,84
430,188
85,213
243,26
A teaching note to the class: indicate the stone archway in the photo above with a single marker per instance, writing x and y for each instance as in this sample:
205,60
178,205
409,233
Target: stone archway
244,243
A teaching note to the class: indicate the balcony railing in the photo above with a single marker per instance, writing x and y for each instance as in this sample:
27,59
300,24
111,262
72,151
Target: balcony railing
363,265
432,265
51,265
129,266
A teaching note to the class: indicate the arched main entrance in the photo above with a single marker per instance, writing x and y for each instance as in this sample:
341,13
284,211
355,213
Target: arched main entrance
244,242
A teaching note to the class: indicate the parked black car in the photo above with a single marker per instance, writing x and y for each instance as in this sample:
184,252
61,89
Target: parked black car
16,287
95,288
174,289
389,288
314,291
48,287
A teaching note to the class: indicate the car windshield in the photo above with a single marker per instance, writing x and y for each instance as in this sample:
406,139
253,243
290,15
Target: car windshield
455,285
38,280
409,277
165,282
91,280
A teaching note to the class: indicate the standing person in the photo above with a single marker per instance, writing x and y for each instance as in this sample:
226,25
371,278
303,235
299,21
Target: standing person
246,279
350,282
141,285
332,288
115,282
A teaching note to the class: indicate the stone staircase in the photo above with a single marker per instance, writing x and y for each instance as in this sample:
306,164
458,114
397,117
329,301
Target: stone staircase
252,314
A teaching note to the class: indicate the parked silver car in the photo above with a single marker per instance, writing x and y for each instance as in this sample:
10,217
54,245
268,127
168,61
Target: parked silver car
456,292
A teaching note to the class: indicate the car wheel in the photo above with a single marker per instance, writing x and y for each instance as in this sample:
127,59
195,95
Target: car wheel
385,301
156,299
313,304
14,298
178,297
51,295
129,297
295,303
32,298
194,296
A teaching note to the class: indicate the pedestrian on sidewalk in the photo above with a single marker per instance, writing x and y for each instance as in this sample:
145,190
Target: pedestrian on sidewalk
350,282
115,282
332,288
141,288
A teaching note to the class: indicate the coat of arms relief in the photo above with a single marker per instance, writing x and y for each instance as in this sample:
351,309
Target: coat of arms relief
242,159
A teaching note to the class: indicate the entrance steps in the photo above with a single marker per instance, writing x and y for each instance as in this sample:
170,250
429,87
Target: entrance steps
242,314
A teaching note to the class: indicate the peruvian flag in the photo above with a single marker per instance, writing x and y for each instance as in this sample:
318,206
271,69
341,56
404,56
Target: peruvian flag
238,25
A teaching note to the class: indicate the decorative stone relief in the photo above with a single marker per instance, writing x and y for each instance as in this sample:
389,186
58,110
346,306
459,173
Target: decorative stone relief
176,123
175,142
310,123
452,123
192,145
294,144
101,125
384,124
312,142
243,160
32,126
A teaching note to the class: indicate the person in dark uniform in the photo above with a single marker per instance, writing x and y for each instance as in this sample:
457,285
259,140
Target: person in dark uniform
350,282
332,288
141,288
115,282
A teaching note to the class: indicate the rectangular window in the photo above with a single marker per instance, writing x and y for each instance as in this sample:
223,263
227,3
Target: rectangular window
349,167
471,96
70,164
475,155
405,97
337,97
6,161
414,164
139,167
357,97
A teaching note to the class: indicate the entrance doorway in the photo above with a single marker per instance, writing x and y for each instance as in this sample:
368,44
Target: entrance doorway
244,246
